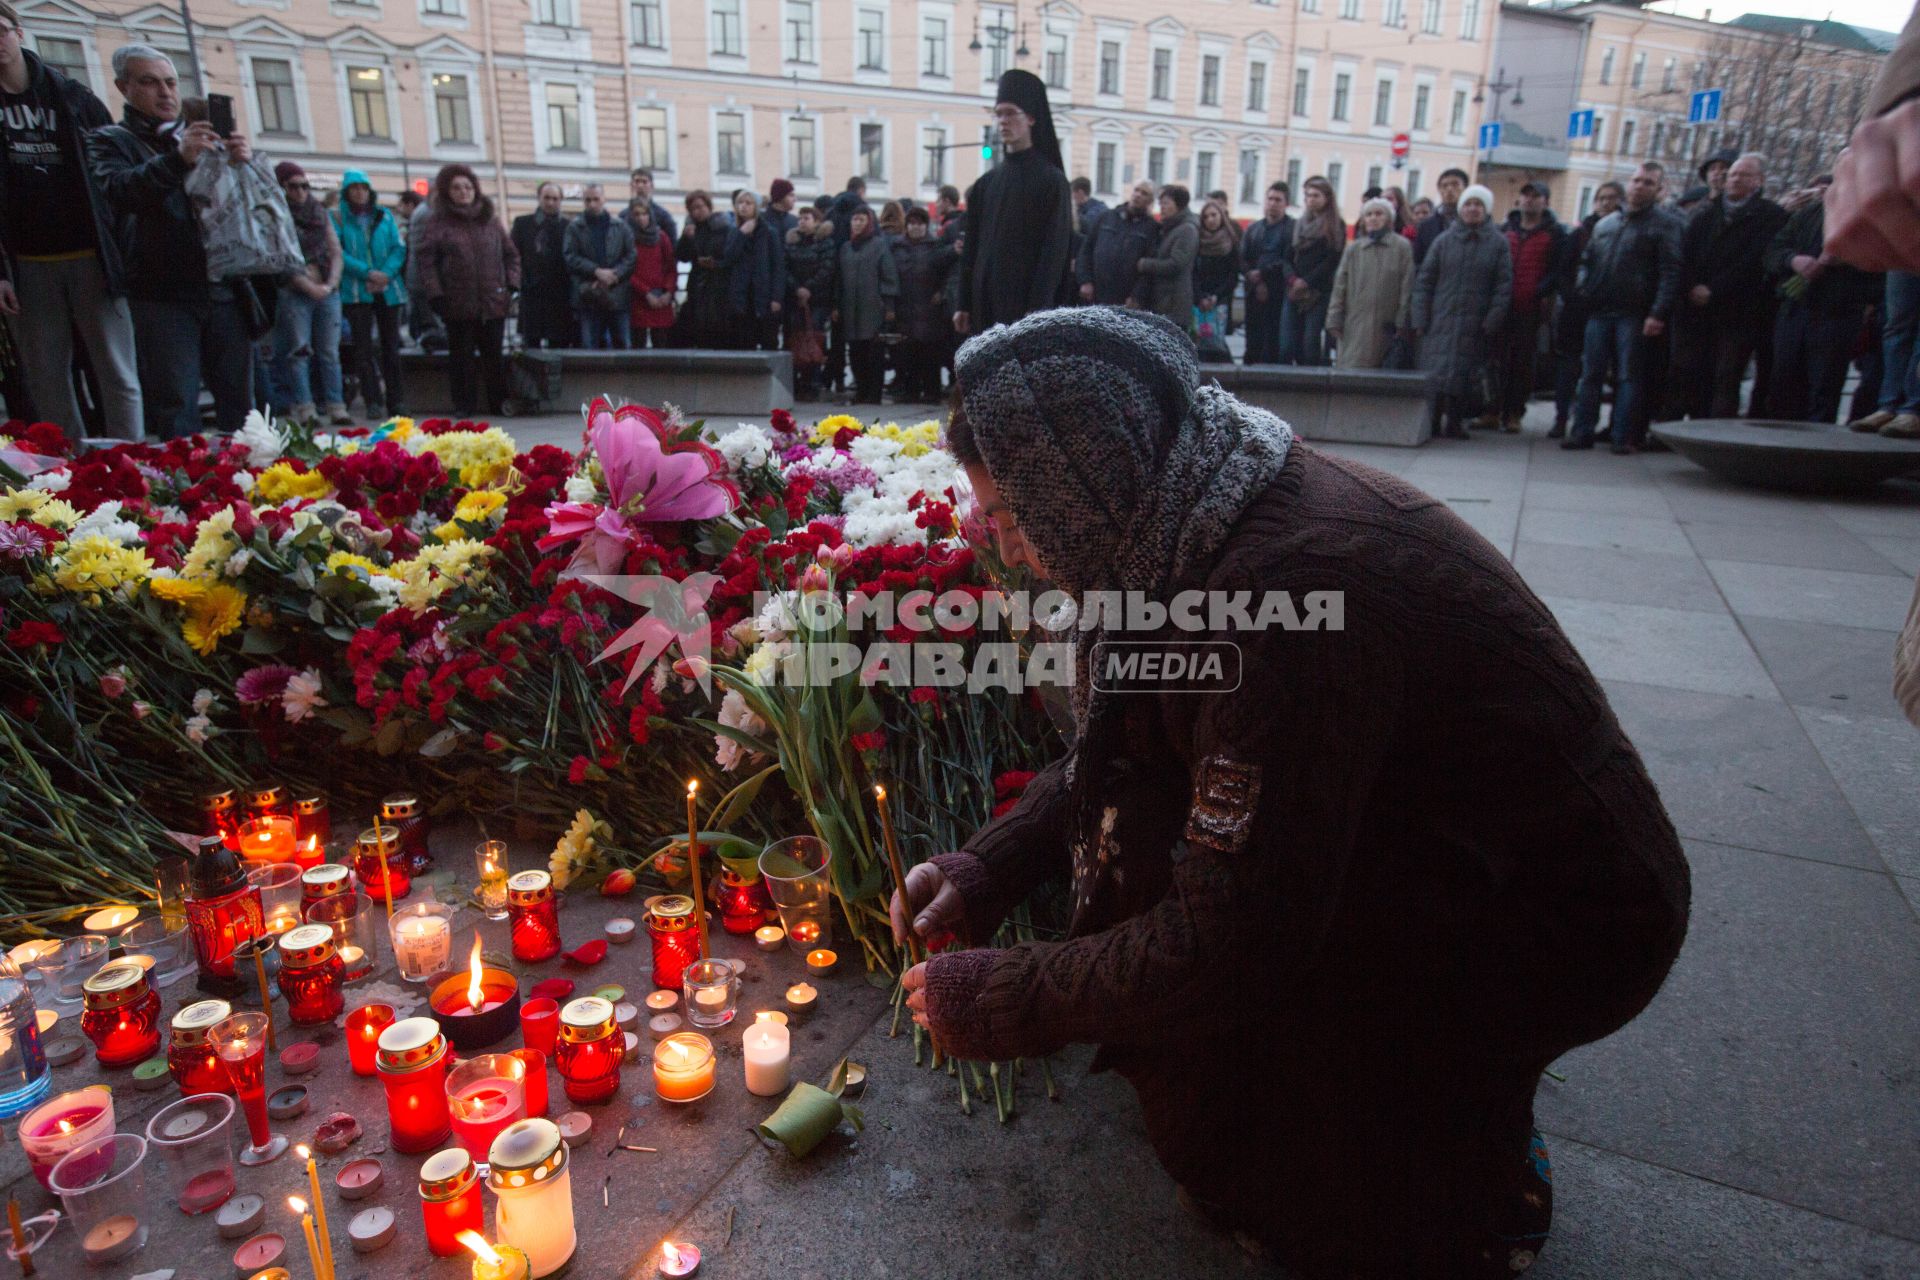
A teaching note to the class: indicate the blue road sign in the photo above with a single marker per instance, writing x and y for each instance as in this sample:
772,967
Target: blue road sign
1705,107
1490,135
1580,124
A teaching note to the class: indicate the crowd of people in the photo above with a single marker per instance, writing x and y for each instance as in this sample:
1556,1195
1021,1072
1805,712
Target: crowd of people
1672,302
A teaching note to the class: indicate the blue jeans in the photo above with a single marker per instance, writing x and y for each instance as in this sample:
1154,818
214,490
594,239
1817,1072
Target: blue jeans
1612,344
1302,330
603,330
1900,345
177,343
306,332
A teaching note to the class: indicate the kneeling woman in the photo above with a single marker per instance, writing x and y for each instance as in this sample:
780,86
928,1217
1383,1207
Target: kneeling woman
1331,959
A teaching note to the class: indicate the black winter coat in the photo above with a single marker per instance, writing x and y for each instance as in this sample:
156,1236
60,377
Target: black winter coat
1110,259
813,265
1722,249
79,112
921,312
1839,287
143,181
757,271
1631,265
705,314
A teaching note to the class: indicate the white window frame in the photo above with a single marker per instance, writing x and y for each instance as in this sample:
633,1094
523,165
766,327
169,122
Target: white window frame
457,17
664,175
1470,19
714,112
1585,203
1415,174
1419,129
1107,31
1164,34
1376,177
571,14
932,10
1609,61
1351,70
1637,71
1264,112
1113,148
877,186
265,38
1297,174
1219,57
1352,11
716,58
787,120
250,89
1670,75
882,74
1294,96
357,10
996,17
1199,187
346,61
1393,13
1335,172
588,154
1165,150
1257,172
447,64
811,62
647,54
1466,114
1064,35
928,134
1164,55
1433,17
1629,130
1391,79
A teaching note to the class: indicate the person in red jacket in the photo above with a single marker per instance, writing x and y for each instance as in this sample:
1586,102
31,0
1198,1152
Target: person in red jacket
656,275
1538,243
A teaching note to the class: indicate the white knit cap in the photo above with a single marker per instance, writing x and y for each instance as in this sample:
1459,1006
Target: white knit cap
1480,193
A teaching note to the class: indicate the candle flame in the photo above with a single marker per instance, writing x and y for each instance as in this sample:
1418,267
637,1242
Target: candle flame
478,1246
473,969
693,785
303,1151
671,1254
880,793
66,1126
296,1204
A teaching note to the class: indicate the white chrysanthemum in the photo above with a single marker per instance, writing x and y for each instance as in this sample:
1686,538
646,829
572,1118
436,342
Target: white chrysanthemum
746,446
55,481
776,618
735,714
386,590
199,729
170,515
106,521
581,489
237,563
265,442
202,701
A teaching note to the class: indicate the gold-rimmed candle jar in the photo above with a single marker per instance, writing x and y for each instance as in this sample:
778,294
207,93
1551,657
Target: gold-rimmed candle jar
379,860
536,917
269,800
591,1049
194,1065
405,814
122,1015
311,973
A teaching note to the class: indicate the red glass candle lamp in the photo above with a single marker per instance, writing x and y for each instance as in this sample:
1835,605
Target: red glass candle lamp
412,1065
479,1007
269,800
241,1042
591,1048
450,1200
312,820
536,1081
485,1093
191,1060
375,847
223,911
364,1026
403,812
122,1015
534,918
744,904
311,975
328,880
676,943
220,816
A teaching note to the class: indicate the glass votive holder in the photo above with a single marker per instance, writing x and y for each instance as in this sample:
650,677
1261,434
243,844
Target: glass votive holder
65,968
422,934
356,924
279,887
364,1026
485,1094
710,990
25,1077
62,1123
167,941
540,1023
267,838
796,874
102,1187
536,1079
490,862
191,1142
683,1067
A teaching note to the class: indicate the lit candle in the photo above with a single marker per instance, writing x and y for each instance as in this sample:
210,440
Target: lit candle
112,1238
364,1026
820,962
677,1261
319,1208
693,861
801,997
63,1124
314,1256
771,1015
663,1001
662,1025
267,839
422,940
27,952
766,1046
806,932
710,1000
489,1263
110,920
308,853
768,937
683,1067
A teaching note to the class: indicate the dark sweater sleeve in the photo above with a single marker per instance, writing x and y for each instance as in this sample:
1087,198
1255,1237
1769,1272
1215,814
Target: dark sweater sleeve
1009,856
1311,726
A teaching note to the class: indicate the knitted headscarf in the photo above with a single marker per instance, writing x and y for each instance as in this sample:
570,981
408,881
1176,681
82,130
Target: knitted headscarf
1125,474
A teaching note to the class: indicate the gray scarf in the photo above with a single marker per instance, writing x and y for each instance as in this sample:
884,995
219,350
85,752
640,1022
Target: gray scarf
1124,473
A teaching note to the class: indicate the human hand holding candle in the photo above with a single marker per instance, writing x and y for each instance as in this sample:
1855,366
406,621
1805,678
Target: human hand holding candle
933,905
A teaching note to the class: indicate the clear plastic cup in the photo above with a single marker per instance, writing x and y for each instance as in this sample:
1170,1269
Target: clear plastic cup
24,1075
165,939
797,874
490,864
64,968
279,886
102,1186
711,992
356,921
192,1146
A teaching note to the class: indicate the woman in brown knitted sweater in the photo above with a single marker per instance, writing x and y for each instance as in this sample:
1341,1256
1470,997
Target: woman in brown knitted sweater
1331,962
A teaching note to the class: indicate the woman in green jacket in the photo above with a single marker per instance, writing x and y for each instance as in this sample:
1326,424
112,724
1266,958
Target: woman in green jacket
373,291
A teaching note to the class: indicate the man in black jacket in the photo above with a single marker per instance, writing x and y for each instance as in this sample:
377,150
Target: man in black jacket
1452,183
62,268
1726,306
1109,264
641,185
1629,277
1537,243
1264,251
1823,308
546,318
186,325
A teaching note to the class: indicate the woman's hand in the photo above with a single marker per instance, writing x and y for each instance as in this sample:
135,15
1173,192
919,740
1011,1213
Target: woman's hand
914,982
933,903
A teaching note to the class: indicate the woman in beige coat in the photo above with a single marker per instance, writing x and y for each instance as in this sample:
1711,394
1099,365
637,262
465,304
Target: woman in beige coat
1372,291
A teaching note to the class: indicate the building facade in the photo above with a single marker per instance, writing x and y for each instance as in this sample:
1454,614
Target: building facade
720,94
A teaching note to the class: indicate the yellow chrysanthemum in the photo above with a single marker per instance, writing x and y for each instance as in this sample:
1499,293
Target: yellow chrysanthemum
577,849
478,459
348,560
920,438
97,565
475,508
39,507
828,427
215,613
436,570
177,590
213,545
280,482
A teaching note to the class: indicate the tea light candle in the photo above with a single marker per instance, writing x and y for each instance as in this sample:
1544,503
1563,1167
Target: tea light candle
801,999
662,1025
240,1216
709,1001
574,1127
683,1067
678,1260
620,929
359,1179
27,952
806,933
768,937
765,1046
140,958
663,1001
372,1229
626,1016
632,1055
364,1026
259,1253
496,1262
110,920
46,1019
771,1015
288,1102
113,1238
820,962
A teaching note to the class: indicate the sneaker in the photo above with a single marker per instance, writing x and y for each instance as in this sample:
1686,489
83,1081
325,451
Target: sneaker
1873,421
1905,426
1559,431
376,413
1576,443
338,416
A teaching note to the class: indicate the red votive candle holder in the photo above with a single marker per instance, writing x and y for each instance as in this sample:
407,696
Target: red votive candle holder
220,817
402,812
364,1026
540,1024
375,848
676,943
312,821
122,1015
412,1066
744,904
190,1057
534,918
535,1082
310,975
269,801
450,1200
591,1049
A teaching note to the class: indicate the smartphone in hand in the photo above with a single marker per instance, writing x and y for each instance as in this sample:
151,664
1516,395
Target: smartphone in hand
220,113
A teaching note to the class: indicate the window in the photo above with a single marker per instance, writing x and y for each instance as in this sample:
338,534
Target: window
649,23
1105,154
1210,80
870,32
1586,200
799,42
803,148
1204,163
1457,122
1375,177
1430,17
1302,81
1350,10
1395,13
1309,6
452,107
555,13
563,117
1667,74
933,147
933,47
1606,65
1156,165
1342,93
873,152
66,57
1162,90
1470,20
1249,177
650,139
723,33
1598,140
1057,69
273,90
1639,75
1335,172
444,8
1413,184
367,96
1626,138
1658,147
730,139
1293,177
1257,86
1383,103
1422,103
998,24
1110,66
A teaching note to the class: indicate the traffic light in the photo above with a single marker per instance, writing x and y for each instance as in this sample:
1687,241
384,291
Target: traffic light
986,151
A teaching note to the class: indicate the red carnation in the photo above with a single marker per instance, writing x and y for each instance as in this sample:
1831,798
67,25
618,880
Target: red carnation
577,771
869,743
29,635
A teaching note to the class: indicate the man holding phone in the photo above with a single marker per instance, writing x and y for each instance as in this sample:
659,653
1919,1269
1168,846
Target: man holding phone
184,323
62,268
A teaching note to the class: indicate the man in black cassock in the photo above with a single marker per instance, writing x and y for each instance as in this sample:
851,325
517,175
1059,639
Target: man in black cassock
1019,217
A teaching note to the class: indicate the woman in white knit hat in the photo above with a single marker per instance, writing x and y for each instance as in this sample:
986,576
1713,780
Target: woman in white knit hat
1372,290
1460,299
